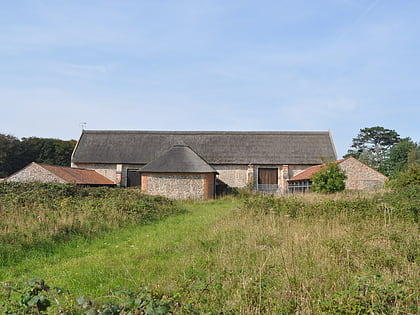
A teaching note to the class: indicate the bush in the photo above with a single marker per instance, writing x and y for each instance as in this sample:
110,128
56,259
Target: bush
410,177
329,179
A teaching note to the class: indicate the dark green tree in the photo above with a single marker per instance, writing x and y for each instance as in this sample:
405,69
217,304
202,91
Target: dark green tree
372,146
10,152
407,178
47,150
329,179
400,156
15,153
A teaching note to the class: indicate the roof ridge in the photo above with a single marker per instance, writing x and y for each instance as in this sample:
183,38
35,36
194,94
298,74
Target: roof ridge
274,132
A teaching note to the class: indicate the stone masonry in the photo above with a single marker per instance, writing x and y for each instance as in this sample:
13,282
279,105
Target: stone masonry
35,173
179,186
360,176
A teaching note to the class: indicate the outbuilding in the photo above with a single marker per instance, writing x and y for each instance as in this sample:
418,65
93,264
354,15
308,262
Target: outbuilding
44,173
359,176
179,173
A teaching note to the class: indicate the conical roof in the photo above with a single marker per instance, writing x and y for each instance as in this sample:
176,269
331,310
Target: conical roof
178,159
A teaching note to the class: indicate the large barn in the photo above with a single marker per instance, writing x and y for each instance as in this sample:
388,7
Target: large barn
189,164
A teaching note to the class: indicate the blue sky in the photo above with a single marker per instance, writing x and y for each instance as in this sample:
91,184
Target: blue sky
341,65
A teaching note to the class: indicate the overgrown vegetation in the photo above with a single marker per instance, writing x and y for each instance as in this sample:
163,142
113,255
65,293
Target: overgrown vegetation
329,179
34,218
346,253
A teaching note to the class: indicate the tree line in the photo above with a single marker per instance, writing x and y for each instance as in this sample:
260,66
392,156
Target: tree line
16,153
384,150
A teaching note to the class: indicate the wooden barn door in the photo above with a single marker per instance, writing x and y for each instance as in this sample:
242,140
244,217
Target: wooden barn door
268,180
133,178
267,176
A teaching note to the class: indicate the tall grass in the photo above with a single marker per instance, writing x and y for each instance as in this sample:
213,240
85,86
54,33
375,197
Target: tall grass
256,254
335,254
34,218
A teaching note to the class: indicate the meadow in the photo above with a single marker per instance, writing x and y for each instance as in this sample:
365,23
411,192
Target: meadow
114,251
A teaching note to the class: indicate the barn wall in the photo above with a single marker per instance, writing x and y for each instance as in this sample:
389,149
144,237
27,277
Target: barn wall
107,170
179,186
233,175
360,176
35,173
242,175
126,167
115,172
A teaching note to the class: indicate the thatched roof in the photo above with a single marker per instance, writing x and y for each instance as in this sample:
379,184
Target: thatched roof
215,147
179,159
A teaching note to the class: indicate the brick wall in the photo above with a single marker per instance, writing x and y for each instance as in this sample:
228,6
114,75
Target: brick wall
34,173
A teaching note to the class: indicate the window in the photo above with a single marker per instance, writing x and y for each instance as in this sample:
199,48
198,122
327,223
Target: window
299,186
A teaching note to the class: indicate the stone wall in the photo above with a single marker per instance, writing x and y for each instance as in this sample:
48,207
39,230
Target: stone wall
232,175
243,175
179,186
360,176
34,173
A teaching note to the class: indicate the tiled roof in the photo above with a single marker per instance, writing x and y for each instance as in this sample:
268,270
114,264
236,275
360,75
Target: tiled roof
306,174
215,147
78,175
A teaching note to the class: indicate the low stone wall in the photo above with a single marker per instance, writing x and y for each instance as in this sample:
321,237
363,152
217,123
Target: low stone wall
179,186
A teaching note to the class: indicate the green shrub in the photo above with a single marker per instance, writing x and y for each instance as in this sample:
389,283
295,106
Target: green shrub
373,296
329,179
35,297
407,178
404,202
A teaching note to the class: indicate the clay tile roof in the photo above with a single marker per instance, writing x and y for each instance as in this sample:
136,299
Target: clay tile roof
78,175
306,174
215,147
179,159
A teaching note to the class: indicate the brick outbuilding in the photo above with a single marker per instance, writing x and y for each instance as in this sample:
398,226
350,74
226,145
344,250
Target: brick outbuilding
359,176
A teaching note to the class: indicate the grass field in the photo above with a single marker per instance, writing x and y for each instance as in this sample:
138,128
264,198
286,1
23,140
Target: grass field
250,254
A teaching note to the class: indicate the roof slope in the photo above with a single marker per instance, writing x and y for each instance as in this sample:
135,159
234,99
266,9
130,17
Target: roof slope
215,147
78,175
307,174
179,159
